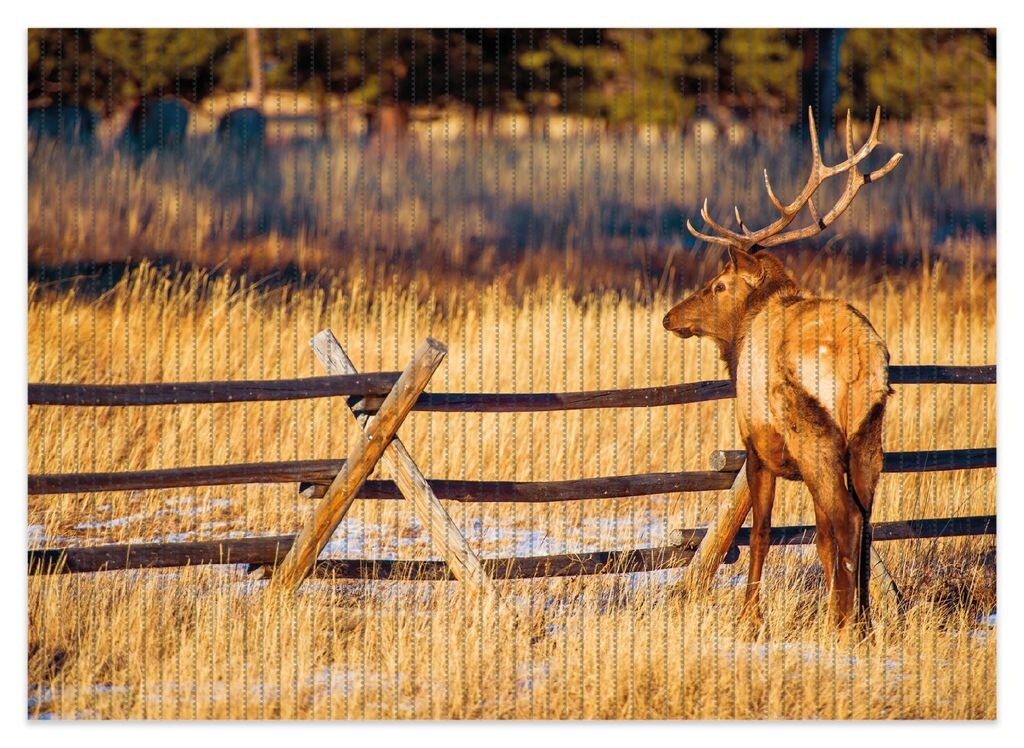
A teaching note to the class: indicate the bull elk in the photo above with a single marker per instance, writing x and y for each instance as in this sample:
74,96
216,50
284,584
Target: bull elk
811,378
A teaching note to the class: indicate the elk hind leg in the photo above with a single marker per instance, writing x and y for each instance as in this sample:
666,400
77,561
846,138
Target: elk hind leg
820,452
762,495
824,541
865,467
841,546
848,532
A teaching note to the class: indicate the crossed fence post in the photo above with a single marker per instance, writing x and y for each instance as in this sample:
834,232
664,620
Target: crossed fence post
446,537
379,432
388,448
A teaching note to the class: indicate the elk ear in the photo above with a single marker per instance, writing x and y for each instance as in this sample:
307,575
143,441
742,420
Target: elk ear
746,263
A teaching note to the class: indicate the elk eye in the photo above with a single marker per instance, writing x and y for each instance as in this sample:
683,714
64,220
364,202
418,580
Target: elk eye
719,287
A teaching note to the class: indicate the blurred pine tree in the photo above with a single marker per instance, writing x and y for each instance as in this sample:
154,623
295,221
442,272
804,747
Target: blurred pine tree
657,76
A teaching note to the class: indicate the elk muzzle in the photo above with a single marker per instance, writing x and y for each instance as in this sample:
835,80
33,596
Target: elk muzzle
673,324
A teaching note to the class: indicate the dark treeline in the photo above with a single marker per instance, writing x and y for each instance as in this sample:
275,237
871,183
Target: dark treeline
660,76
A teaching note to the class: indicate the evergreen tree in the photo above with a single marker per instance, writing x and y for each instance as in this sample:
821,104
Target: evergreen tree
148,62
62,66
913,72
629,75
760,69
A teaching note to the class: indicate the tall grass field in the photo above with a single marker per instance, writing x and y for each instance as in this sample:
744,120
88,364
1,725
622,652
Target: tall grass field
545,264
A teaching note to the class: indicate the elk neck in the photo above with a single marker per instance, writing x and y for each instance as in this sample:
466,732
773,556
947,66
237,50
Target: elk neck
777,284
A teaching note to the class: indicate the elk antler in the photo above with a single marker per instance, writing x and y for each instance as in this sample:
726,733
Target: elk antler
770,235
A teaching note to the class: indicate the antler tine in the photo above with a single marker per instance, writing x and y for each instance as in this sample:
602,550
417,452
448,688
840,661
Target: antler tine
815,147
882,171
709,238
813,211
873,137
852,171
739,220
738,239
849,136
771,194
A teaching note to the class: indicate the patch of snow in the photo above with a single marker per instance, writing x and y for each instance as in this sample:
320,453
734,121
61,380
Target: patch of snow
45,695
174,510
37,537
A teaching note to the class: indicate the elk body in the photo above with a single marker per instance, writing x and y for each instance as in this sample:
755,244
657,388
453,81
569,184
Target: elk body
811,378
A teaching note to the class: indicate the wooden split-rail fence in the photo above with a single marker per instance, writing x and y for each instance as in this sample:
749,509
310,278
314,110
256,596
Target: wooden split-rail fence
380,402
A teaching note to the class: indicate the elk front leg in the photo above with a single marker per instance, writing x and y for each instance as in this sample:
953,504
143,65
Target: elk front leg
762,496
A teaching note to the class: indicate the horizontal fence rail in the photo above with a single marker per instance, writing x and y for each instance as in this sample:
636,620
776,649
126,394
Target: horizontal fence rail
183,393
930,374
645,397
321,472
268,551
373,388
939,460
910,529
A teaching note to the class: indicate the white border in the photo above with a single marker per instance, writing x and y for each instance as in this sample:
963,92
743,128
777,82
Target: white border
522,13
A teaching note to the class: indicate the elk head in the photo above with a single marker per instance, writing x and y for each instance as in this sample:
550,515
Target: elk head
717,310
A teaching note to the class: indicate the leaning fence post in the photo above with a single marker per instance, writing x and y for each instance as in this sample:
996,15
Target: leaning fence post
360,463
720,535
444,534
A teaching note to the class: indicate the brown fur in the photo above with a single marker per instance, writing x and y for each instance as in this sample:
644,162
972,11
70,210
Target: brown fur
811,379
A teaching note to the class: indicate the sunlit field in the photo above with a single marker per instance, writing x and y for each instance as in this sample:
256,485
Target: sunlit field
212,642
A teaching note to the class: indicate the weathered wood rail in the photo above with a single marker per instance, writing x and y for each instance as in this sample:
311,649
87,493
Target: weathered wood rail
908,529
373,387
380,402
184,393
269,550
321,472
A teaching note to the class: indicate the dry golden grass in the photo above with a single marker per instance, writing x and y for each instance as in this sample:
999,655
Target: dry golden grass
579,203
202,643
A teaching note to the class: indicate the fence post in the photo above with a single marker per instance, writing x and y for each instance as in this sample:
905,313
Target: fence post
360,463
444,534
720,534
